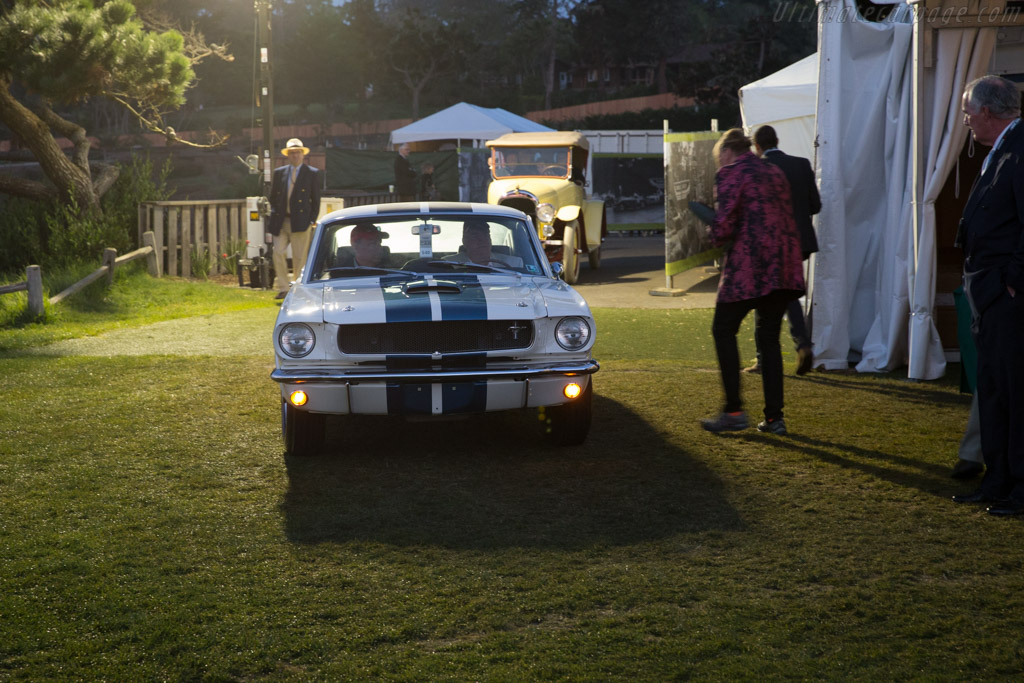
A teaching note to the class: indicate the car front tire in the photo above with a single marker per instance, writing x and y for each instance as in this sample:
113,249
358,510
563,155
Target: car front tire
570,259
569,423
303,432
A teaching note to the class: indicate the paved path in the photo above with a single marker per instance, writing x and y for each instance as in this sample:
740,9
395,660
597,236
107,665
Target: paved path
633,266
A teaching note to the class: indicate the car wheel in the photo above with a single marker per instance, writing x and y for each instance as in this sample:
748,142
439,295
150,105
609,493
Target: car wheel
569,423
303,432
595,258
570,259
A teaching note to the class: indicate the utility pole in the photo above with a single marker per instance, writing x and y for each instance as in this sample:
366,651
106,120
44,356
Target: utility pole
266,90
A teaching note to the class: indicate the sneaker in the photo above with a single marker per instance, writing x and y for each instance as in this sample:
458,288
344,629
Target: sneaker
773,426
726,422
755,368
805,359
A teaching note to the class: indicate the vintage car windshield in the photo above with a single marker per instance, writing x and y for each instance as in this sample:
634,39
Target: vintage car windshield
424,244
520,162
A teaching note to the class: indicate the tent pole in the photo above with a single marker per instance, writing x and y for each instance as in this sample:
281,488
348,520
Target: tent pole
917,174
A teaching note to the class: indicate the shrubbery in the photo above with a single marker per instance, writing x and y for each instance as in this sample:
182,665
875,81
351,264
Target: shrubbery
61,235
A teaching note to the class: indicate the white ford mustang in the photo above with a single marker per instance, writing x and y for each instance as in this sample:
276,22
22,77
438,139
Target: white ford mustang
431,309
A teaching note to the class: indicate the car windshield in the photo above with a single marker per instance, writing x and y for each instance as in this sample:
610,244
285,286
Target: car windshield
467,243
518,162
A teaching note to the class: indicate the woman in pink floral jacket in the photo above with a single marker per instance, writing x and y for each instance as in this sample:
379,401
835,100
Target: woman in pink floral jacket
762,270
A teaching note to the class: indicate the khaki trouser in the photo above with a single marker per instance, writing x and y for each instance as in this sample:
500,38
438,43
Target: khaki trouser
300,245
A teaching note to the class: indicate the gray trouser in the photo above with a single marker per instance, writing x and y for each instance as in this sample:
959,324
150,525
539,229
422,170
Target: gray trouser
970,444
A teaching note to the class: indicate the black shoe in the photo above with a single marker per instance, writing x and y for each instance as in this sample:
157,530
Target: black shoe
1006,508
975,497
776,426
281,295
726,422
966,469
805,359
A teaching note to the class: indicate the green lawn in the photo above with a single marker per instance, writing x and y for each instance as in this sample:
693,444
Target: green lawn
151,528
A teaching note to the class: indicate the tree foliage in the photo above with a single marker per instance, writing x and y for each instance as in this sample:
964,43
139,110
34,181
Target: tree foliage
61,53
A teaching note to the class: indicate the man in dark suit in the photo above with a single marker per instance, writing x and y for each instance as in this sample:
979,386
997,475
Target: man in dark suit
405,177
992,236
806,203
294,206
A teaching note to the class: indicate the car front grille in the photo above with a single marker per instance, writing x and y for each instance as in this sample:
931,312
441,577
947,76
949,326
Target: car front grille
448,336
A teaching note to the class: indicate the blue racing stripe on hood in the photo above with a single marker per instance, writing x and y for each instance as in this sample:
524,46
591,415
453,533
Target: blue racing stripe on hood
399,307
469,304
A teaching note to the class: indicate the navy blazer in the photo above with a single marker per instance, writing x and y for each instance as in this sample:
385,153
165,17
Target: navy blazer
992,227
804,191
305,202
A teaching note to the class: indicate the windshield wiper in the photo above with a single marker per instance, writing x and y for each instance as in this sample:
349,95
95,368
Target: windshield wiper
356,271
475,267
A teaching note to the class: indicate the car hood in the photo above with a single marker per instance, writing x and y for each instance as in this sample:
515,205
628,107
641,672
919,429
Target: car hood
544,189
444,297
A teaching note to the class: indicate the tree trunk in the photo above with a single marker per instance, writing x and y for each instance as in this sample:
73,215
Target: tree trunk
73,182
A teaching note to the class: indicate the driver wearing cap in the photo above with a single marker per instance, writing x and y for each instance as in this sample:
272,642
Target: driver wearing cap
366,243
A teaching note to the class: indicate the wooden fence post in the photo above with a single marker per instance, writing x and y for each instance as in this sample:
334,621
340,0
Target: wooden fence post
34,276
109,257
152,262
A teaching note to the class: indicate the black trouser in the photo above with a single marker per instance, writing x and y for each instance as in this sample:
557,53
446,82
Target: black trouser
767,323
1001,396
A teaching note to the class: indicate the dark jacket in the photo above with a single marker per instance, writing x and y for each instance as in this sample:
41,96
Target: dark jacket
992,229
405,177
803,193
305,201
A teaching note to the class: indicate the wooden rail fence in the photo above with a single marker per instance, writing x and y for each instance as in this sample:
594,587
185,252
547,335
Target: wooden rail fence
33,282
181,226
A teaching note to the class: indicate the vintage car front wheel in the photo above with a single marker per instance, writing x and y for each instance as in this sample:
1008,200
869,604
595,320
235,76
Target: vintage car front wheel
569,424
570,259
303,432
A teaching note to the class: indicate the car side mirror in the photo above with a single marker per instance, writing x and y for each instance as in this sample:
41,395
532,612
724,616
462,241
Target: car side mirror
558,269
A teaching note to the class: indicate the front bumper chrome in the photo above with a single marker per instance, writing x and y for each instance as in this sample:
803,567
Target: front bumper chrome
565,369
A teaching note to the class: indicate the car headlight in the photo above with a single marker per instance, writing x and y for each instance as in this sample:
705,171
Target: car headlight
548,230
296,339
545,213
572,334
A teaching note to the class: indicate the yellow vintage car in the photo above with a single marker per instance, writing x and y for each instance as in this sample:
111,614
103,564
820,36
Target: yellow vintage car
542,175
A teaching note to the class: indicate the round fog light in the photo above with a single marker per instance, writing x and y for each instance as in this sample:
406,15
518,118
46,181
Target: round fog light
298,398
572,390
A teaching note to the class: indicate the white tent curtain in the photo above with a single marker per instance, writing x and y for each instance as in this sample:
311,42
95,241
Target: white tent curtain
962,56
863,131
875,276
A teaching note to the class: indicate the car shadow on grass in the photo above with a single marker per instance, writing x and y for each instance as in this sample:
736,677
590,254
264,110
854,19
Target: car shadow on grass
493,482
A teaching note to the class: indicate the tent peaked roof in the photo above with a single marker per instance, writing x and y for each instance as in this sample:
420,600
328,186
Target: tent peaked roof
786,94
465,121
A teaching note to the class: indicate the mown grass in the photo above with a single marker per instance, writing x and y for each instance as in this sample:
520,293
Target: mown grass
152,529
134,299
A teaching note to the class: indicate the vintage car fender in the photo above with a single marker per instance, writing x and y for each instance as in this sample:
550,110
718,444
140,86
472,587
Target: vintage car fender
567,214
594,221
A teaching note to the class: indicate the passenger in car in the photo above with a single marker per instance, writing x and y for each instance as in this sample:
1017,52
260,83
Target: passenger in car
476,247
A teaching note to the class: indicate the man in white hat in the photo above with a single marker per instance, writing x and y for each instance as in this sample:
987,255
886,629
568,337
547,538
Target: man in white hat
294,205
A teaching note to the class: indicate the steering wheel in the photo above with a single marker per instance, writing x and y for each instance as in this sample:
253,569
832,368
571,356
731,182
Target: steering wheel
553,169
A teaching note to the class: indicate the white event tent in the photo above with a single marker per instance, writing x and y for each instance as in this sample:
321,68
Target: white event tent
468,122
889,133
786,101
